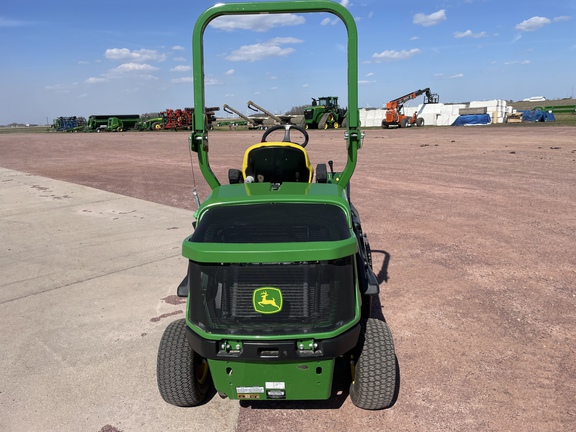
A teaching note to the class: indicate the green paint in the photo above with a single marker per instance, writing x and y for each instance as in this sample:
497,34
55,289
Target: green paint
305,380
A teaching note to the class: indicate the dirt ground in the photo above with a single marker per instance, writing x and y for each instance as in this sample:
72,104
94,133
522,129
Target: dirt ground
473,232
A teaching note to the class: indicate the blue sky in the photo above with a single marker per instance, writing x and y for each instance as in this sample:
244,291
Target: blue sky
65,58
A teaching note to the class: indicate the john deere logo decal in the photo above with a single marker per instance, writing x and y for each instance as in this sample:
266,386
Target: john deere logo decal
267,300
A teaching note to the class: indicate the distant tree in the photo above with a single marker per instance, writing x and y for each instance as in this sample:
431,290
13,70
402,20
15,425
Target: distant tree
297,110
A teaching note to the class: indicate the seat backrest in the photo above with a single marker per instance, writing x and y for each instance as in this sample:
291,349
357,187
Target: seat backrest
277,162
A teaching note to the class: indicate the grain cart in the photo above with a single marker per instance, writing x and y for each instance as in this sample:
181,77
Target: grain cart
117,124
324,113
280,281
100,123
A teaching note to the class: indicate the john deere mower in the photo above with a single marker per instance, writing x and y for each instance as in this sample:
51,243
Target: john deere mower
280,281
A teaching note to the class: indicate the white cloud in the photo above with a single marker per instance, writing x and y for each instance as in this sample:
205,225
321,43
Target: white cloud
392,55
469,33
181,68
208,81
456,76
230,72
252,53
429,20
140,70
96,80
532,24
259,23
523,62
326,21
284,40
142,55
260,51
182,80
6,22
177,48
345,3
561,18
63,88
134,67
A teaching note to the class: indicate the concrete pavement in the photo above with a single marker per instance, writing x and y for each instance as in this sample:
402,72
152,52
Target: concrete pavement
87,286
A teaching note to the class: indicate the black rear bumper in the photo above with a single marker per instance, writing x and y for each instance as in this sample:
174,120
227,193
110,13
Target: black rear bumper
281,350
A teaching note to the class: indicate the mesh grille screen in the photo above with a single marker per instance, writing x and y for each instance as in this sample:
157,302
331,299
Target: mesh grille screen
316,297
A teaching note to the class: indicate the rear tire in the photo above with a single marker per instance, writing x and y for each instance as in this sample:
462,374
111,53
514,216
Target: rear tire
375,372
183,375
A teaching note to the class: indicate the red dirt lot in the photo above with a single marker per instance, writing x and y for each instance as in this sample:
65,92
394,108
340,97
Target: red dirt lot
473,232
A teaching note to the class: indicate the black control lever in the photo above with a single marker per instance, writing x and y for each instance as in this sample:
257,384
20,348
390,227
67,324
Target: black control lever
331,163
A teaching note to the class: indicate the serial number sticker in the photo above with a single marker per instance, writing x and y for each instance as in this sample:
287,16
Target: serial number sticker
275,385
255,389
276,394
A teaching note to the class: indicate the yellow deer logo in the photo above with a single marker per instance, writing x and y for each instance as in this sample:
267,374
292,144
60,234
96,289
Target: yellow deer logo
267,300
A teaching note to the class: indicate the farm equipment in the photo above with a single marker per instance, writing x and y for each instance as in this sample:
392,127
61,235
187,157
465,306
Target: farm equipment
177,119
149,122
182,118
324,113
69,124
251,122
394,115
278,119
280,281
100,123
116,124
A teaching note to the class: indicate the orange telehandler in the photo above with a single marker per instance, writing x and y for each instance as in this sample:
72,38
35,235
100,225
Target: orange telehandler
395,109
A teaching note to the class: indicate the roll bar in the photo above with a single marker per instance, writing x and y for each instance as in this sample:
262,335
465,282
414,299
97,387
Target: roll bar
199,137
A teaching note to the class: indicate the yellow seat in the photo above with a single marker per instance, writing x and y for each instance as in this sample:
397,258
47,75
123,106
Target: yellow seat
277,162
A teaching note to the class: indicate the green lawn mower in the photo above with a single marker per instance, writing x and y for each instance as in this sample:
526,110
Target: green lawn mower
280,280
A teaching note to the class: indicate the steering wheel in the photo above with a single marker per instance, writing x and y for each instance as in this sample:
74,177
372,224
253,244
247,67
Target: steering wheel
287,128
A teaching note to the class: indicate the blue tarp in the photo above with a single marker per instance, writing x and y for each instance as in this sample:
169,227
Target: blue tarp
472,119
537,116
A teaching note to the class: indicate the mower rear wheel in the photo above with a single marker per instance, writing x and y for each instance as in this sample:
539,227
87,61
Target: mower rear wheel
374,374
183,375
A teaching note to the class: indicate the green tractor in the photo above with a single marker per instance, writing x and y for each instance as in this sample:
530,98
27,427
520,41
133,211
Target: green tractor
149,122
324,113
280,282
